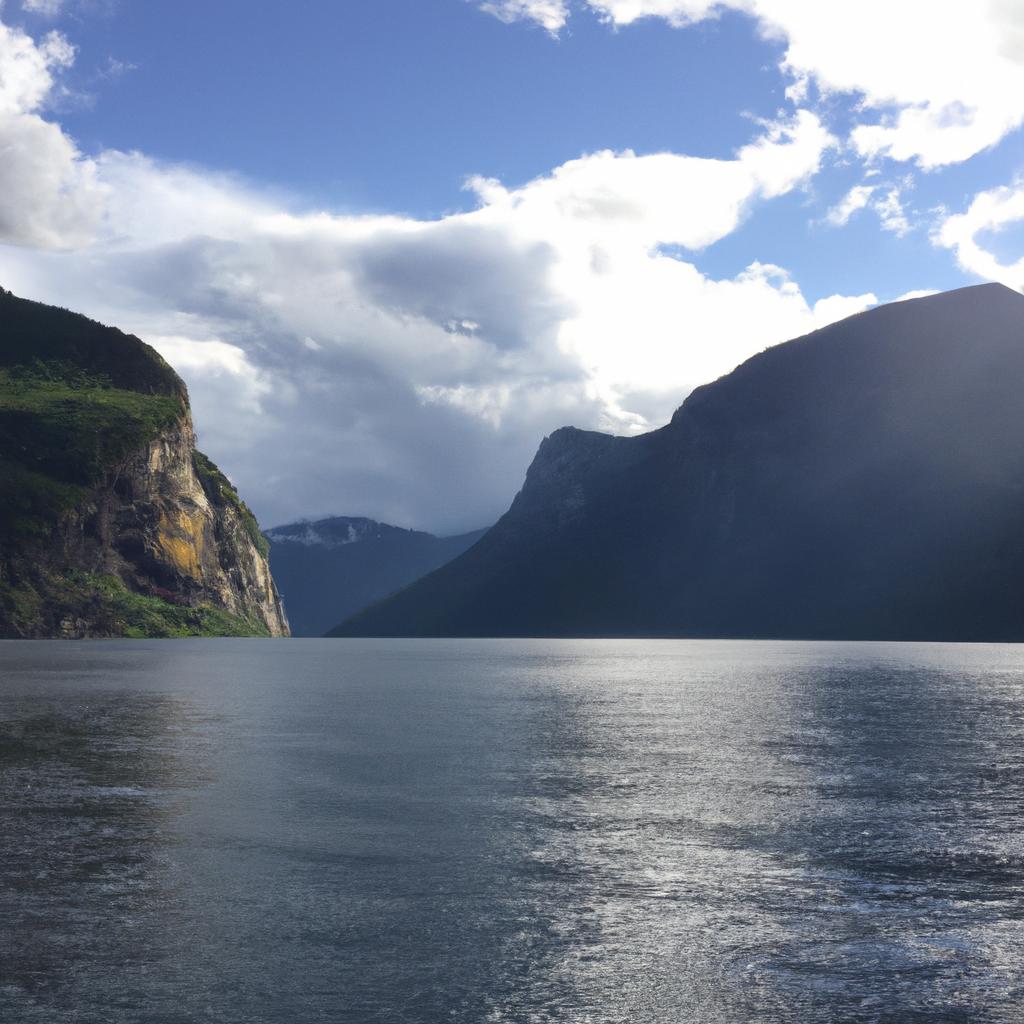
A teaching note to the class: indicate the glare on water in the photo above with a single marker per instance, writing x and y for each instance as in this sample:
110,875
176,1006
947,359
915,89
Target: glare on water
598,831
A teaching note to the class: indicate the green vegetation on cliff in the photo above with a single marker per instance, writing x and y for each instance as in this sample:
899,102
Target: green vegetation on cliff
92,543
61,431
111,609
76,398
33,334
222,494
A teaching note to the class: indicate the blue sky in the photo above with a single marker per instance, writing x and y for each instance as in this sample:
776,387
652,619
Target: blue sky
390,105
392,244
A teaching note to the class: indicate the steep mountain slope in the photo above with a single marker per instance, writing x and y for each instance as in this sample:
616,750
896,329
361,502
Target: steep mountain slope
330,569
111,523
865,481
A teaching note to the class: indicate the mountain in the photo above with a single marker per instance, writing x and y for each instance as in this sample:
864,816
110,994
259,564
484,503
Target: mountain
864,481
111,522
330,569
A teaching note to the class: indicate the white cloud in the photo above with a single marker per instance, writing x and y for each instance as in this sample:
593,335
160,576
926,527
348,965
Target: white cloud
398,367
551,14
938,81
676,12
1010,16
993,210
50,194
838,307
44,8
663,198
51,197
934,75
209,357
115,69
887,202
28,68
891,212
856,199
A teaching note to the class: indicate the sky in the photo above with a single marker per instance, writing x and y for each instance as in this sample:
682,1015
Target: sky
392,244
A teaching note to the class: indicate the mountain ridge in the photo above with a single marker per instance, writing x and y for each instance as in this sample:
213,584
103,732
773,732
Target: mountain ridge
777,500
330,568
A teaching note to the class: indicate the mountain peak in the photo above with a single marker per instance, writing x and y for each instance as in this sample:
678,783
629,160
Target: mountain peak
333,532
329,568
863,481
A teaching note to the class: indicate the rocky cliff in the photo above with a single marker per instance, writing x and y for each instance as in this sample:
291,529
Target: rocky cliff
111,522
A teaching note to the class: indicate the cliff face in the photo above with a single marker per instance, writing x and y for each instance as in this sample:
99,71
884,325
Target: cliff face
863,482
169,525
111,522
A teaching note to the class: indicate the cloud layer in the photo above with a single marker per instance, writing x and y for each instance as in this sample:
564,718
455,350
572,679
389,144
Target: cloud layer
402,368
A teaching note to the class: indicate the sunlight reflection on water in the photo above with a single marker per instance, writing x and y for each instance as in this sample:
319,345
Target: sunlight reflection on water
510,831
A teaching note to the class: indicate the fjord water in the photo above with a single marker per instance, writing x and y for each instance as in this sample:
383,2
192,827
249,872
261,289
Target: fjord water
427,831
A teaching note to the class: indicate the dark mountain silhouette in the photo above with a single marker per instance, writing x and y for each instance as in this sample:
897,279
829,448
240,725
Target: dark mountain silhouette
864,481
330,569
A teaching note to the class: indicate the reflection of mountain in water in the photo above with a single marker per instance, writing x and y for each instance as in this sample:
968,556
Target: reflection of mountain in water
87,787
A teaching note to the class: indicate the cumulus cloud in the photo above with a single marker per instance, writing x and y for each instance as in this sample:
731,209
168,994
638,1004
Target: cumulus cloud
937,82
837,307
28,68
50,194
551,14
404,368
662,198
937,79
51,197
990,211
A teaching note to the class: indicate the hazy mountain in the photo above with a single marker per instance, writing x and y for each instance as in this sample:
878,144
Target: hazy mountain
865,481
330,569
111,523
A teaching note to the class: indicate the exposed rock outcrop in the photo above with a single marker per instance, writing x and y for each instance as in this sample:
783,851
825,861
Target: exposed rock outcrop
111,522
169,524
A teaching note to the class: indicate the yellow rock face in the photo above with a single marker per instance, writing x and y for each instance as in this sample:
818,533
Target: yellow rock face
180,541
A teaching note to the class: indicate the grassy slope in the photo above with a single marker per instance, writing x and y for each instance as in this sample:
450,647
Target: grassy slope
60,432
113,610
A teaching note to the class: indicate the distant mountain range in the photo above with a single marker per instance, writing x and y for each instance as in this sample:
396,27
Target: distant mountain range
330,569
865,481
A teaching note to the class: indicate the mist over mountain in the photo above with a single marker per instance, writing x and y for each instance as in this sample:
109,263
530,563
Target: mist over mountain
329,569
863,481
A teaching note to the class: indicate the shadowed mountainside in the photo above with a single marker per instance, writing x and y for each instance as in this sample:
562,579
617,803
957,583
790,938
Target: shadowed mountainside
330,569
864,481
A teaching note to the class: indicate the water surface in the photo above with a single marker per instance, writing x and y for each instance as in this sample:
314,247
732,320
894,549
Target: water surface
461,831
